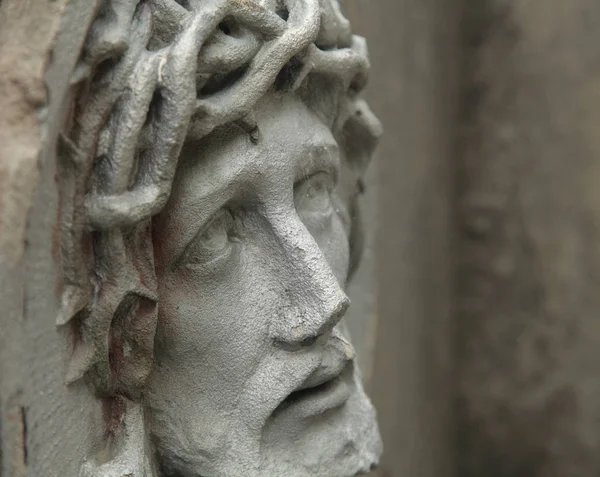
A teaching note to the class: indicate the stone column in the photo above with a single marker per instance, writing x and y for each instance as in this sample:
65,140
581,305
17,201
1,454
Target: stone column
415,54
529,328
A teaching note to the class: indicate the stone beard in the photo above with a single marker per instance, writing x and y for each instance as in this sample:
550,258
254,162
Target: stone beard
216,154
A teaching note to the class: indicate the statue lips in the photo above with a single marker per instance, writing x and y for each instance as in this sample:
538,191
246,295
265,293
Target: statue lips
329,386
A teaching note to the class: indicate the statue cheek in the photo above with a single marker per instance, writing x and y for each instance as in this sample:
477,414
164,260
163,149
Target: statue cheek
182,313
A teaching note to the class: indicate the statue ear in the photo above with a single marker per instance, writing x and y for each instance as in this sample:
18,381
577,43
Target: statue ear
114,333
131,345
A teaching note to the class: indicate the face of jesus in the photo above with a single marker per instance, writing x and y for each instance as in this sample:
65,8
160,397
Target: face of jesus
253,373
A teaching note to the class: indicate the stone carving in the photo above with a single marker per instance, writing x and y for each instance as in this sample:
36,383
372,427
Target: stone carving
210,169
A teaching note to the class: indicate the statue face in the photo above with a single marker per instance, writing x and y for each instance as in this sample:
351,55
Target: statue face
253,374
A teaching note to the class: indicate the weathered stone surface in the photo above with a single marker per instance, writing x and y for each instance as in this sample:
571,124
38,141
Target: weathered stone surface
27,30
46,427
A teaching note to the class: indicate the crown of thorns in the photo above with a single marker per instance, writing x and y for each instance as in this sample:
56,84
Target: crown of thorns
153,74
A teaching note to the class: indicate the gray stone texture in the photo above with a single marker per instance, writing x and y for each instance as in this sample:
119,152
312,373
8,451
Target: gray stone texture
45,426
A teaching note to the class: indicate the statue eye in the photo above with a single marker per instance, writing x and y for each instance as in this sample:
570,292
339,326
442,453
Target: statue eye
312,196
213,242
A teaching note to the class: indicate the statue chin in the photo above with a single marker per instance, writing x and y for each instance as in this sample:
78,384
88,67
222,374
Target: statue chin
340,442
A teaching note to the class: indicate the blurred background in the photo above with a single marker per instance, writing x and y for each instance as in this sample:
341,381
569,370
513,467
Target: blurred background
477,307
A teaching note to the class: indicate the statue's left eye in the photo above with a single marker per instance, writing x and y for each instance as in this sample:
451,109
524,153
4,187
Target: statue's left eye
312,196
213,242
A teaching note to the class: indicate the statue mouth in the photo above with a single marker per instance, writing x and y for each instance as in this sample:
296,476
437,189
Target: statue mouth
327,388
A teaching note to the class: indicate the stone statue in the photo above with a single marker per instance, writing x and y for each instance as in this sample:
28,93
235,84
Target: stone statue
209,173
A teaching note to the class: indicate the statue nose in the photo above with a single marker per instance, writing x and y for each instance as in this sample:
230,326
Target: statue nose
304,324
312,300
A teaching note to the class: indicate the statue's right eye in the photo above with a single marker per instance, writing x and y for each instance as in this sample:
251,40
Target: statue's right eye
214,242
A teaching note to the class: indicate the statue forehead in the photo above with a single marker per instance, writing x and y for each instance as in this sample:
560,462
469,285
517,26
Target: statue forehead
293,141
280,123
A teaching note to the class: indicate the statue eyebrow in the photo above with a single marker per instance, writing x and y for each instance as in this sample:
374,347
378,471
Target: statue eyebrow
318,157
